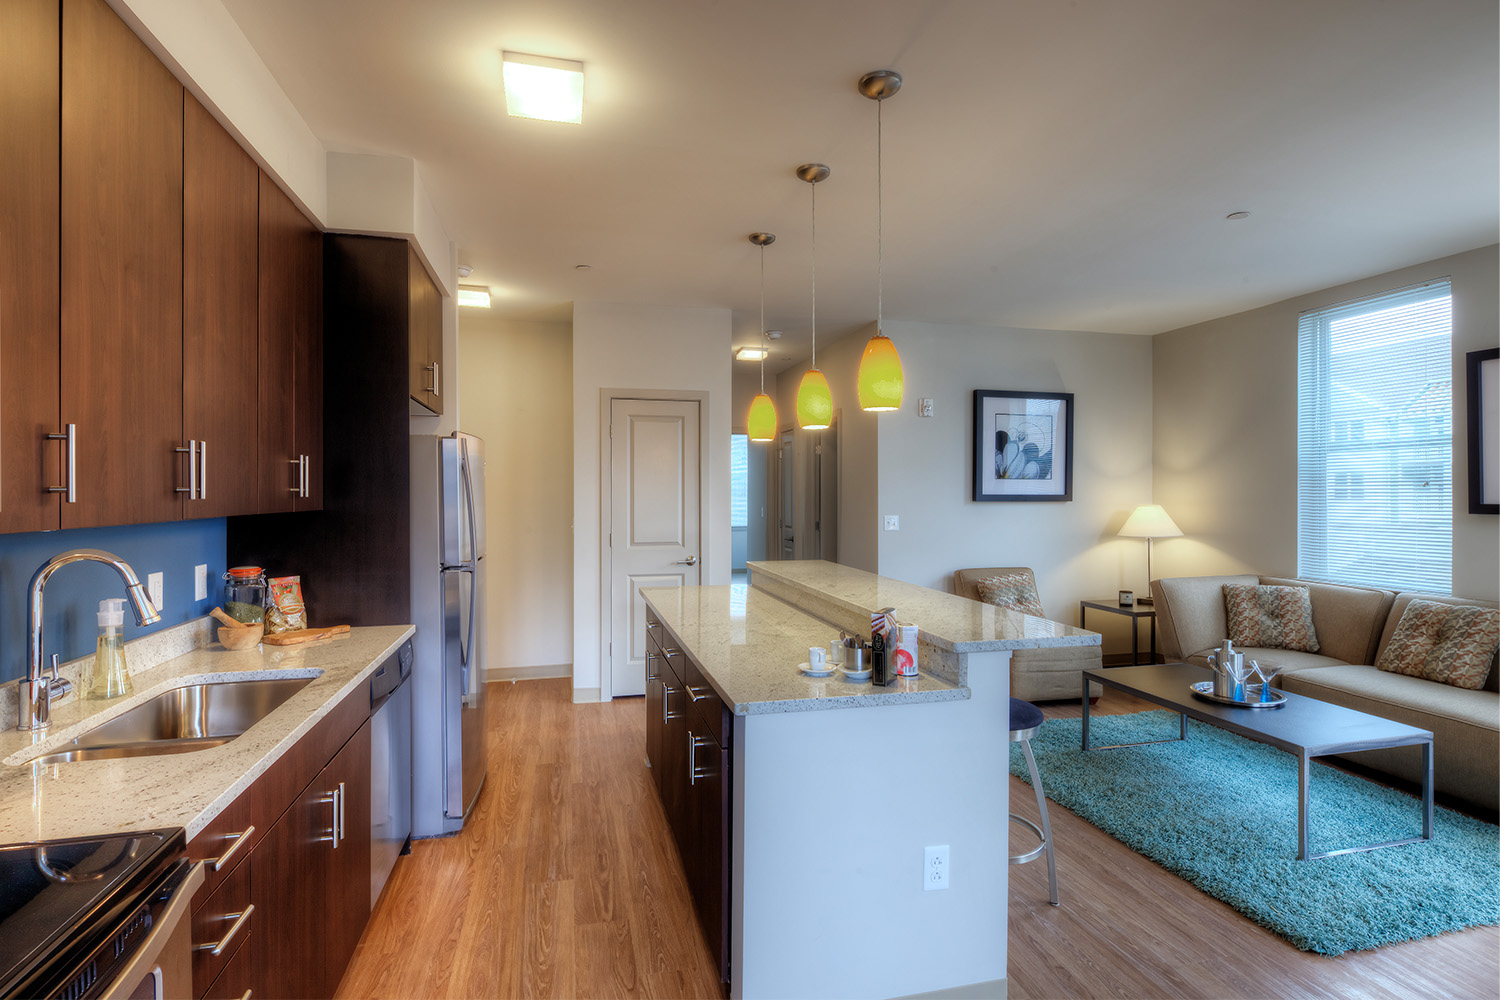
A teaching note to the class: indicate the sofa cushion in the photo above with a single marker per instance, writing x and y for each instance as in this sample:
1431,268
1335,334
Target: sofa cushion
1274,617
1398,608
1348,619
1448,643
1286,660
1012,591
1190,612
1465,725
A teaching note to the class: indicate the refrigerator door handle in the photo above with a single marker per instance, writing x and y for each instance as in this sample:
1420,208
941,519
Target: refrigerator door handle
463,450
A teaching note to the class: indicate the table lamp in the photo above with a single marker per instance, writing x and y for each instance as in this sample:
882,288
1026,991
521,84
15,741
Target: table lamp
1149,521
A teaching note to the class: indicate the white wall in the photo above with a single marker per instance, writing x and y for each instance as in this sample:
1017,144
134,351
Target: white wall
926,464
384,196
1226,413
641,348
204,47
517,382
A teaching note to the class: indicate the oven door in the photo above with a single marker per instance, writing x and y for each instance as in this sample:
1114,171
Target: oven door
162,967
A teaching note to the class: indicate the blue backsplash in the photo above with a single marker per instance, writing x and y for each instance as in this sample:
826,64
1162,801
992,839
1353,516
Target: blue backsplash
74,592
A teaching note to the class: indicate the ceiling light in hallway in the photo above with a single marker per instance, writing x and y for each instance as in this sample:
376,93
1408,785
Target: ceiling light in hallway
550,90
477,296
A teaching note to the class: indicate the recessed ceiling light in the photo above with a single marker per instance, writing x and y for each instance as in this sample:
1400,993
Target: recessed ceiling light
774,334
1238,215
550,90
464,270
751,354
474,295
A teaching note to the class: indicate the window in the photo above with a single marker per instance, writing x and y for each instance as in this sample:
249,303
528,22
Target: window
739,480
1375,441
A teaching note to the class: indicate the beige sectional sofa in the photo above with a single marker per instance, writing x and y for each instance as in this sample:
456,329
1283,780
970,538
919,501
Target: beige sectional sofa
1052,673
1353,625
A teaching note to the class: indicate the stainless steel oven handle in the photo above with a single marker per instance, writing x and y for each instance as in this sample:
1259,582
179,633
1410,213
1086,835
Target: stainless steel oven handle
148,956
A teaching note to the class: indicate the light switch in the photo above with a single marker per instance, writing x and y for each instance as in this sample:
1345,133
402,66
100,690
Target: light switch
924,407
893,522
153,589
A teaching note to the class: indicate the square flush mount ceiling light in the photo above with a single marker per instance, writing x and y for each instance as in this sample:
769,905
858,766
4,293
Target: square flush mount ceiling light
750,354
540,87
474,295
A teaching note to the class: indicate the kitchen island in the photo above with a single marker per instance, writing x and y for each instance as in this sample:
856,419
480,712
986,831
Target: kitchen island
835,789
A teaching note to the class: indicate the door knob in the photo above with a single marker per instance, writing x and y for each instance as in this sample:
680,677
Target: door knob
689,561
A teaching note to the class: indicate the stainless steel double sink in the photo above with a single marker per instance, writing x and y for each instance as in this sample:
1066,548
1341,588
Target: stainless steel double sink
194,717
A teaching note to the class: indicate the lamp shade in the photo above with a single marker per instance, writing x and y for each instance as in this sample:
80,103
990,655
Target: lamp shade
881,380
1149,521
814,402
760,423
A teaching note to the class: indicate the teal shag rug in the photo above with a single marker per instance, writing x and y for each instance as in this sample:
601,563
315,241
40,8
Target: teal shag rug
1221,812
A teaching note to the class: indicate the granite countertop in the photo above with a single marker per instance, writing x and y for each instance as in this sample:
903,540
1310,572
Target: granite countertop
41,802
748,645
947,621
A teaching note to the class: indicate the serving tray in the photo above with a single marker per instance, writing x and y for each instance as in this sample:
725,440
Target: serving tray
1205,690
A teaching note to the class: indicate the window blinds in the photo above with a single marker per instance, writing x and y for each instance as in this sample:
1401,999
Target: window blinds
1374,447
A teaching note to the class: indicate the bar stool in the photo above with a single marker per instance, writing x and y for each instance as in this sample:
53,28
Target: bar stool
1025,720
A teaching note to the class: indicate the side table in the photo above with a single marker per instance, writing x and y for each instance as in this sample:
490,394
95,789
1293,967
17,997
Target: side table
1135,613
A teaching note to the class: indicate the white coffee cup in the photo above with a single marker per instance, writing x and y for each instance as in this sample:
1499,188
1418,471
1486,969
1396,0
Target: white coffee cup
817,656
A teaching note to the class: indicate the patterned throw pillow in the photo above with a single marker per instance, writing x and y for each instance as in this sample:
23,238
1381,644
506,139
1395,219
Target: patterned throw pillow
1012,591
1270,617
1448,643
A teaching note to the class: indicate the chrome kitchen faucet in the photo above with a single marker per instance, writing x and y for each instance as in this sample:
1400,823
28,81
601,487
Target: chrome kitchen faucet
34,696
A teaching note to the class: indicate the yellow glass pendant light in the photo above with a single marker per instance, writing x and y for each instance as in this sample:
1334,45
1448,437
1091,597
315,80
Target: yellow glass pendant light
814,398
882,381
760,422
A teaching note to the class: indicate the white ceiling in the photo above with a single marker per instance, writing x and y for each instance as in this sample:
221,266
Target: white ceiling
1048,164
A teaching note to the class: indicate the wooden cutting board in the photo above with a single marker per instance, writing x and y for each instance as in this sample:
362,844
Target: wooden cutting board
303,635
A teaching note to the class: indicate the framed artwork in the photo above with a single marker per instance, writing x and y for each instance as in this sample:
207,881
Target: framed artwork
1023,445
1484,431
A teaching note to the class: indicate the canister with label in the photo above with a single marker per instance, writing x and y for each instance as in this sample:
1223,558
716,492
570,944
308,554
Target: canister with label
906,649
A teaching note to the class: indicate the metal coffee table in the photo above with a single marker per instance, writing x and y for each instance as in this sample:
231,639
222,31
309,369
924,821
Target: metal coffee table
1303,727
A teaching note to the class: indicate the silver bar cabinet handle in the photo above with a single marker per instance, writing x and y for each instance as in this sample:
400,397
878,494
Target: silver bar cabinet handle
217,864
298,463
343,807
335,800
191,489
202,470
216,948
71,437
433,388
306,476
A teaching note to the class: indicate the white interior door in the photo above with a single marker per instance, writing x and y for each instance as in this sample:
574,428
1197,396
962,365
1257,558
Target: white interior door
655,520
785,515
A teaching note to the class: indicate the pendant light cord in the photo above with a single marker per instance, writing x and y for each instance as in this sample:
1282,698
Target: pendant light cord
762,319
814,186
879,221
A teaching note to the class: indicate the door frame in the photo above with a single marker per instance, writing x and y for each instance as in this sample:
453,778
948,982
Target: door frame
607,397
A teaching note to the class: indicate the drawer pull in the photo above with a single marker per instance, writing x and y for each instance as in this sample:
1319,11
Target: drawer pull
695,696
217,948
247,995
217,864
671,651
694,771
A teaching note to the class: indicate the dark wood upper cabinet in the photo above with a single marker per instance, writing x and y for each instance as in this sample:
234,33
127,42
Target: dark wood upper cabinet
30,41
425,350
291,355
121,288
220,304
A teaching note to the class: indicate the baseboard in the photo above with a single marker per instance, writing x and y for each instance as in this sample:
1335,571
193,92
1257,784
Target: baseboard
541,672
995,989
585,696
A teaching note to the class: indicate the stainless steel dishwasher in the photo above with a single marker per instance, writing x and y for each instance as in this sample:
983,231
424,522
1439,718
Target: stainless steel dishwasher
390,766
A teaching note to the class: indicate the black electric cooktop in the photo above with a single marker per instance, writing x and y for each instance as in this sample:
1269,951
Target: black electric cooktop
57,897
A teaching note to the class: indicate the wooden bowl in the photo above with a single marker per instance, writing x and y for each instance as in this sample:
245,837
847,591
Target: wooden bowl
242,637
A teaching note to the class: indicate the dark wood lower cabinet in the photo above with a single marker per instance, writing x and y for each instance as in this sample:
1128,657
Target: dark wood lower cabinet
304,866
688,742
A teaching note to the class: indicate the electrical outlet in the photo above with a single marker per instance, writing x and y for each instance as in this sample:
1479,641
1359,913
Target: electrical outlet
935,868
200,582
893,522
153,589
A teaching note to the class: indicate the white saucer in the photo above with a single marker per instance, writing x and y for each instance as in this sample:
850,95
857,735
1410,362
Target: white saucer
854,675
811,671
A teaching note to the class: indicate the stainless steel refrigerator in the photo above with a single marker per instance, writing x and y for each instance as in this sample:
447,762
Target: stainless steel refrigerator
447,606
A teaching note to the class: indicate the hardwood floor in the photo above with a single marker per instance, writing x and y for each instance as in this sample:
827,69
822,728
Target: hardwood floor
565,884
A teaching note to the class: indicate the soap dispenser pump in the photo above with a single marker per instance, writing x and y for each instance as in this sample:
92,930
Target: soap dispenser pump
110,677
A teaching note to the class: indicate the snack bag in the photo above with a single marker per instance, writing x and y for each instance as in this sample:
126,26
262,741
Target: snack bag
286,612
